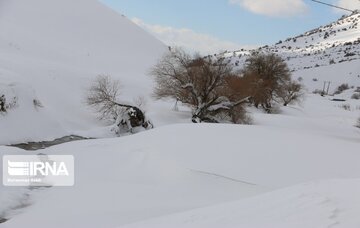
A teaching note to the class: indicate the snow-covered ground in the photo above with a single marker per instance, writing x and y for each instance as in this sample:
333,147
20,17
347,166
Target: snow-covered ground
298,168
182,167
322,204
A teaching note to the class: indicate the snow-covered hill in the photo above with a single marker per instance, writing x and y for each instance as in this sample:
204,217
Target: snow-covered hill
334,47
55,48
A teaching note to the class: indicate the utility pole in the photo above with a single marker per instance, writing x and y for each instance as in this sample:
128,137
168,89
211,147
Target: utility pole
326,87
327,91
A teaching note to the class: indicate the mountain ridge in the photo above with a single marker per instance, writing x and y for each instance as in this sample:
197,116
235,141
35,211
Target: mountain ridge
334,43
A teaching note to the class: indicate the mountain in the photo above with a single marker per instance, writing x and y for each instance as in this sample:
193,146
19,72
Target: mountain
313,55
54,49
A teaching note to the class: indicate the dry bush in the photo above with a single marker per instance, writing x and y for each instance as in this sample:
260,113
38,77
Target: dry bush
6,104
356,96
346,107
319,91
2,103
342,88
269,77
37,103
201,83
104,94
291,92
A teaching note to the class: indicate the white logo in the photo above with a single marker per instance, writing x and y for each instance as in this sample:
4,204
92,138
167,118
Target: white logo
39,170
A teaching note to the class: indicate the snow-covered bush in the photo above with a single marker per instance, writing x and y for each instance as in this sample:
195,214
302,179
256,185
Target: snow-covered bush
7,104
319,91
2,103
129,121
207,85
358,123
103,95
346,107
356,96
291,92
37,103
342,88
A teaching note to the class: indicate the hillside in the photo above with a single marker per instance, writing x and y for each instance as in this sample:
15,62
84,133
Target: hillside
51,50
331,48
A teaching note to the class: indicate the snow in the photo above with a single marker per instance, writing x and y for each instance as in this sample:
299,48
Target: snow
297,168
330,203
60,56
179,168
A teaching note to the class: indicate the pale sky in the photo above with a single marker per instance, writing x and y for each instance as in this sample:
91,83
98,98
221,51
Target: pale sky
209,26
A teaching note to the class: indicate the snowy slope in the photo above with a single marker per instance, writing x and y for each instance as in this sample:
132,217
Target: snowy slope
183,167
331,48
56,48
333,203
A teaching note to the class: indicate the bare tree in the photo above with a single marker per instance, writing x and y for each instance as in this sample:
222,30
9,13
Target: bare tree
266,74
201,83
104,95
290,92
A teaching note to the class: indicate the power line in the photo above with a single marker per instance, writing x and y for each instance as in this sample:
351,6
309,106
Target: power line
331,5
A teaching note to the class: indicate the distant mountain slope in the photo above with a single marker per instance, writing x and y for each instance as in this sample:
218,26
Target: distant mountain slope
56,47
332,44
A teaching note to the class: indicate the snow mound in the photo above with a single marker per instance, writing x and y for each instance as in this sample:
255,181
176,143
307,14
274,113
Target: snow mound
333,203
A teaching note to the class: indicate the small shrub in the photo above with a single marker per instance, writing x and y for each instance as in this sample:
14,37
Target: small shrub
2,103
346,107
356,96
37,103
358,123
342,88
290,93
5,104
318,91
103,95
